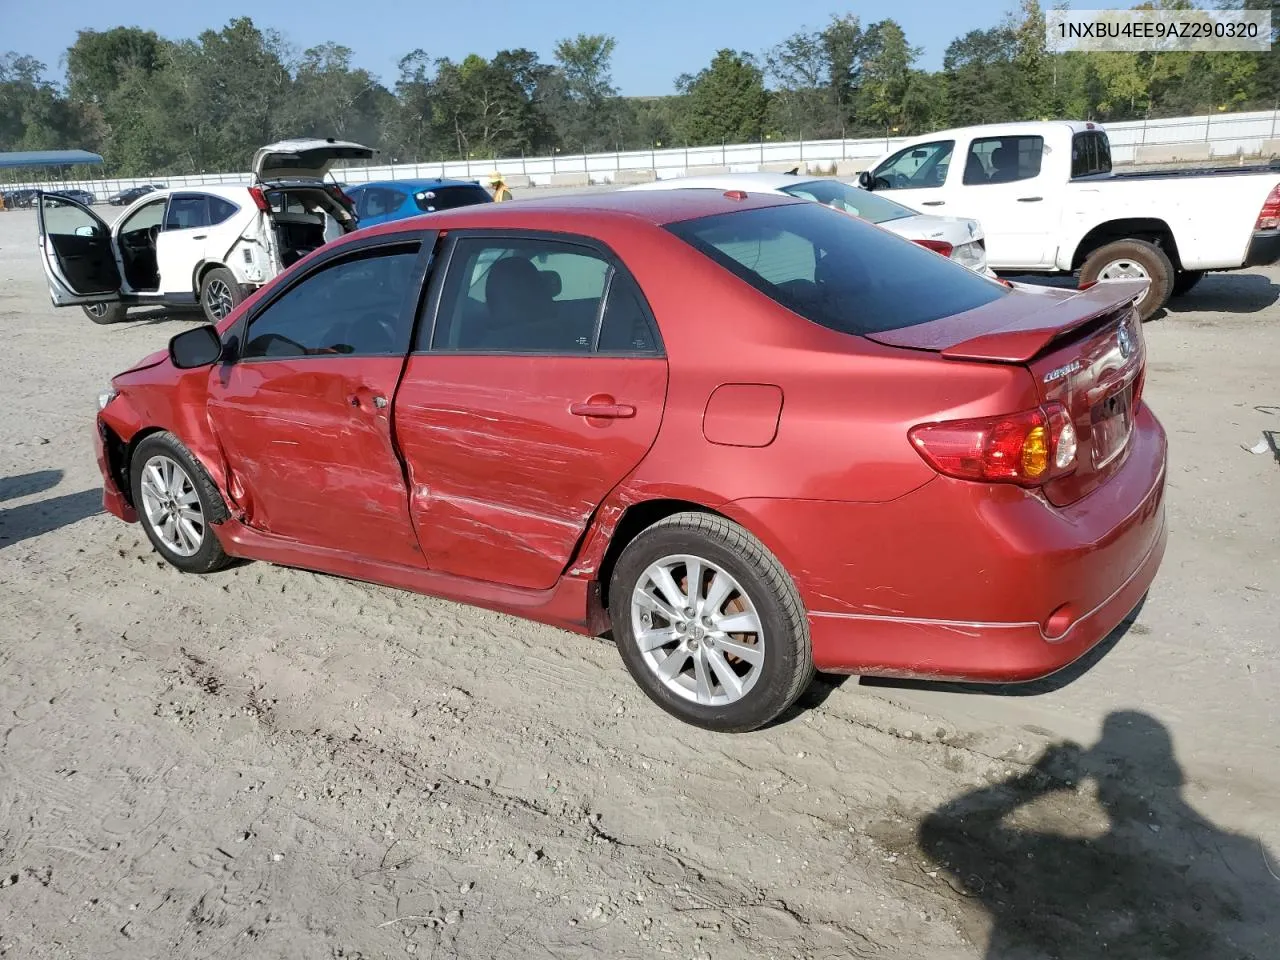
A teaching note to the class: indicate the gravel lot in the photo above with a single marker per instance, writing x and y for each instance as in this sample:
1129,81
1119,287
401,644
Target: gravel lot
272,763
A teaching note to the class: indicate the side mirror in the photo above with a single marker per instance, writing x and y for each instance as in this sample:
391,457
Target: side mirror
86,231
199,347
865,181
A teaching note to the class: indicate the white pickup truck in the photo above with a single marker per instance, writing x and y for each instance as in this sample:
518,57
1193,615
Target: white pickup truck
1049,203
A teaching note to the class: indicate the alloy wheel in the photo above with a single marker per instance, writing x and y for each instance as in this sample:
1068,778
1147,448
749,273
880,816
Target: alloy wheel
172,506
697,630
218,297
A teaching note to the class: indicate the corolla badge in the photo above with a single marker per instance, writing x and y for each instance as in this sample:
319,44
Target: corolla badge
1125,342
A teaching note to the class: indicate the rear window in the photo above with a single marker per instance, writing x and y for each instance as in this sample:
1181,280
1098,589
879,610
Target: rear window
835,270
446,198
1090,154
859,202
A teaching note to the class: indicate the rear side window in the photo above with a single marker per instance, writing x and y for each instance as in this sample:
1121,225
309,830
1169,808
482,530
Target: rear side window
187,211
446,198
1003,160
350,307
538,296
220,210
1090,154
836,270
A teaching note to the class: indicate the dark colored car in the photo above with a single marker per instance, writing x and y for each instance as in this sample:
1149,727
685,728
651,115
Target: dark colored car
751,435
19,199
79,196
130,194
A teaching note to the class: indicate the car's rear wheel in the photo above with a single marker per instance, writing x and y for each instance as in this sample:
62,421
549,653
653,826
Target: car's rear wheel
178,504
105,313
1185,280
1133,260
709,624
220,293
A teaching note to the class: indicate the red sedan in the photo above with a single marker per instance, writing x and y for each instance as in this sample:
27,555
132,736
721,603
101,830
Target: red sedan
751,435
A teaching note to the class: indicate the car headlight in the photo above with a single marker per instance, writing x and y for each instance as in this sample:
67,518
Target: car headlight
971,255
105,397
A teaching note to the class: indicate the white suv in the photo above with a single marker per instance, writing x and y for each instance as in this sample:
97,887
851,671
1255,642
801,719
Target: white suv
208,245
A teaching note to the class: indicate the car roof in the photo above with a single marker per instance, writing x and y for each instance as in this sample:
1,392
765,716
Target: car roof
585,211
771,182
424,183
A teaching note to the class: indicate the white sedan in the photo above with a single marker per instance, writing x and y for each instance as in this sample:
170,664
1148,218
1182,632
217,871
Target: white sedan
959,238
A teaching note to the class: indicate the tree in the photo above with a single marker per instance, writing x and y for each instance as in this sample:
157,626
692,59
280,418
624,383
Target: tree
726,101
580,97
978,74
99,62
886,101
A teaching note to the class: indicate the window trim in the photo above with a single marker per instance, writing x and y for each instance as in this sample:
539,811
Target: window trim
1002,183
236,335
426,327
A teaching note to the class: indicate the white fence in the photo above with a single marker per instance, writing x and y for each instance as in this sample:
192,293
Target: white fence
1227,134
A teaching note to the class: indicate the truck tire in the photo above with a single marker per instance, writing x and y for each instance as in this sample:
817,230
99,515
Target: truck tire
1133,259
220,293
105,313
1184,281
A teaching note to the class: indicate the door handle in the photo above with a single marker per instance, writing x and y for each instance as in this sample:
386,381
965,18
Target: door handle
1030,199
200,236
603,407
932,203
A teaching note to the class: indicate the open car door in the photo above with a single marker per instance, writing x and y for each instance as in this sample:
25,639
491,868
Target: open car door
77,252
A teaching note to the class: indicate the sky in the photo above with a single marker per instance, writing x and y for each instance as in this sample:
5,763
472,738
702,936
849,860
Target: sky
657,39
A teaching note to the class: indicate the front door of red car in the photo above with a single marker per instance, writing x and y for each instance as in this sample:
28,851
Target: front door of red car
537,389
303,415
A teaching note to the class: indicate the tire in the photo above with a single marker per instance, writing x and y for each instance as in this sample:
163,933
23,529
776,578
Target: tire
1184,281
220,293
152,483
1133,258
757,583
104,313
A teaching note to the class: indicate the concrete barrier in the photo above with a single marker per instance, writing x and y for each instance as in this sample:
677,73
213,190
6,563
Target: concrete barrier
515,181
851,168
705,170
571,179
781,167
1270,148
1172,152
621,177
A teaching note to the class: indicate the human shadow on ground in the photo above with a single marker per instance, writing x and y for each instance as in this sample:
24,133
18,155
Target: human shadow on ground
38,517
1149,879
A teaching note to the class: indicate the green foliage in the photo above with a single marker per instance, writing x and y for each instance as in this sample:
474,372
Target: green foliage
726,102
154,106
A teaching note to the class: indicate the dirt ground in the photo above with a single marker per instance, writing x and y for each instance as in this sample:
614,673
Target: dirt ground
272,763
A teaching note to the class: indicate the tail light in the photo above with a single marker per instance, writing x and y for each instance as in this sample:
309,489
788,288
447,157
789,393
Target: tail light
1028,448
1269,215
938,246
260,199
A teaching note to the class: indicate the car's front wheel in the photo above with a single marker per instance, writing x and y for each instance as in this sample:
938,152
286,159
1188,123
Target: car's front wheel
178,504
709,623
105,313
220,293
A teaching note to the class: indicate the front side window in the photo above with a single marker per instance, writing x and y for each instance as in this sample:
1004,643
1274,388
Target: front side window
537,296
1003,160
354,306
915,168
144,218
835,270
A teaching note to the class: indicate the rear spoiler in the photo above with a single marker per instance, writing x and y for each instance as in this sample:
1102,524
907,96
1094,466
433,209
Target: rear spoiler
1016,328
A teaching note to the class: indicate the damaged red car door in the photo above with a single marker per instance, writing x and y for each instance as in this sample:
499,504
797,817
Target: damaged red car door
535,388
303,414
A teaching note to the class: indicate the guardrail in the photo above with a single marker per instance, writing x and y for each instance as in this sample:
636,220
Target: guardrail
1221,136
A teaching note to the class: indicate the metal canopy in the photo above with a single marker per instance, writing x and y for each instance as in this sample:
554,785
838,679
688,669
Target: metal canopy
48,158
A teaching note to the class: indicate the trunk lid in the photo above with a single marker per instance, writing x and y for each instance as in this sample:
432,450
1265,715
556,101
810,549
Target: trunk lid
308,158
1083,349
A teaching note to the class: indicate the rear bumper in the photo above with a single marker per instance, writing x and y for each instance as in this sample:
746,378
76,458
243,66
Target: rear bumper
1264,249
966,581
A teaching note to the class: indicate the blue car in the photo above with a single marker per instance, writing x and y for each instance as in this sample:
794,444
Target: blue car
385,200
